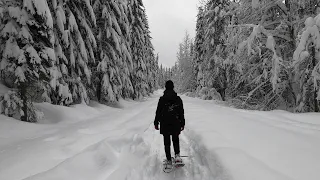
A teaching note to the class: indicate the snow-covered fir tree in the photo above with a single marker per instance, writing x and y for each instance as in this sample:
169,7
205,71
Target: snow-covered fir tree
184,77
161,78
27,54
259,36
256,52
199,48
166,74
74,45
209,46
112,75
140,46
306,60
149,56
157,71
80,41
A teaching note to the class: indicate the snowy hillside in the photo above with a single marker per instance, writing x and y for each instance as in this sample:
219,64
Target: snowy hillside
97,142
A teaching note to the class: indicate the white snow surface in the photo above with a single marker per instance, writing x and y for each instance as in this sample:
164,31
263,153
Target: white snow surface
98,142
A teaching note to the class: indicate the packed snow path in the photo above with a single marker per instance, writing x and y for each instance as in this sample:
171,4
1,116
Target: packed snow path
121,144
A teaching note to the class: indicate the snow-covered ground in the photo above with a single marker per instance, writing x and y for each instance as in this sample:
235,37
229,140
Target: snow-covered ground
97,142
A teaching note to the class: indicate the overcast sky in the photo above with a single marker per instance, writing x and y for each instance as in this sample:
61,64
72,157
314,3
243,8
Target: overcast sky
168,21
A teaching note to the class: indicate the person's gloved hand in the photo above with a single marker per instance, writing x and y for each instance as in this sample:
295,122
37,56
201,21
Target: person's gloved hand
156,127
182,128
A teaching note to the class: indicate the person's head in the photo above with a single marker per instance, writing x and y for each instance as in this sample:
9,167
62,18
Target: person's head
169,85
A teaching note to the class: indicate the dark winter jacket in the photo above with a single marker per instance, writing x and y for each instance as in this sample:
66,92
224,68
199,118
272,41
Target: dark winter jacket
170,125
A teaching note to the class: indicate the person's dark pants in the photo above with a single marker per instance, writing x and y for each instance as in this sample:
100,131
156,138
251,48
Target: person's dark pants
167,144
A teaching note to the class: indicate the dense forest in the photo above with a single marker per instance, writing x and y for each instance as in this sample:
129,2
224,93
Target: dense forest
67,52
254,54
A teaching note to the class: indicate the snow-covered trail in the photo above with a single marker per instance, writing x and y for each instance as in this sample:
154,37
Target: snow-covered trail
200,164
114,144
119,145
126,147
71,147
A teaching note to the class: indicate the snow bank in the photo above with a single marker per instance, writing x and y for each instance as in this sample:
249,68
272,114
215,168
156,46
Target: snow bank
72,114
258,145
205,93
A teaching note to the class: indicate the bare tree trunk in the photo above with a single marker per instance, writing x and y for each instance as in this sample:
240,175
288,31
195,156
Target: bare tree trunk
23,94
99,87
222,90
314,61
316,105
292,31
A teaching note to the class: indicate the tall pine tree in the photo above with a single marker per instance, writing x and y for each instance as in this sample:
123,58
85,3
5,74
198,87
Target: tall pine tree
27,54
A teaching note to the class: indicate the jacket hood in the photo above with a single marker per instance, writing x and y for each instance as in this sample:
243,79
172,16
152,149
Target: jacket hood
169,94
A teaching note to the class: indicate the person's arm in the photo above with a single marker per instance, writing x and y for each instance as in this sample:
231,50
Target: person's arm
181,114
158,113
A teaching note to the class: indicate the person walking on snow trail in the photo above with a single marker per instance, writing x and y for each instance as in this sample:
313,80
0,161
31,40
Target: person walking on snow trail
170,115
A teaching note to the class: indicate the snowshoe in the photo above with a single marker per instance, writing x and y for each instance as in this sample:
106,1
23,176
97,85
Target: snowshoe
178,161
167,166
